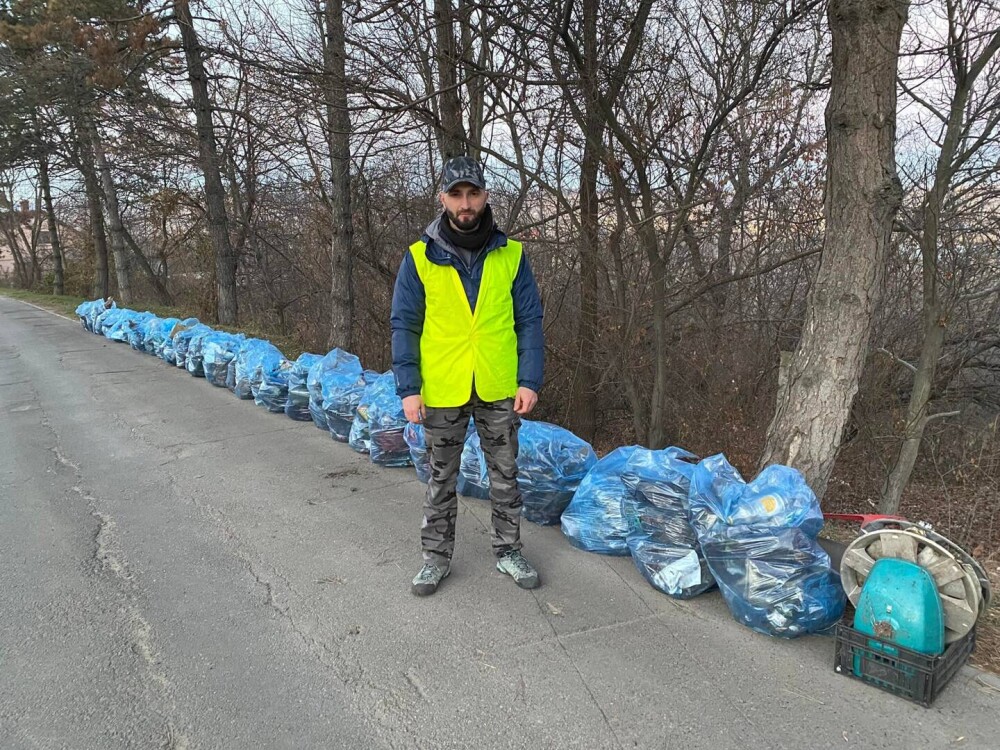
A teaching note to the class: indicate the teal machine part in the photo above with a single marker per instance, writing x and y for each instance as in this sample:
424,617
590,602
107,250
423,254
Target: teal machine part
900,605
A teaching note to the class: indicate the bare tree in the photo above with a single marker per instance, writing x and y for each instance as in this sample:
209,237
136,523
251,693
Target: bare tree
967,123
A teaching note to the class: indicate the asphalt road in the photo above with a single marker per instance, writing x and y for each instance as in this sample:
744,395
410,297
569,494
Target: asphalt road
182,569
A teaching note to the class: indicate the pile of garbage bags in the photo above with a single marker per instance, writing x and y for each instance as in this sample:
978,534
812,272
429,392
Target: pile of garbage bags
660,538
759,539
688,525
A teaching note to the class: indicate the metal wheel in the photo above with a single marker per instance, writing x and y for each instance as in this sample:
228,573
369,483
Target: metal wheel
926,530
958,586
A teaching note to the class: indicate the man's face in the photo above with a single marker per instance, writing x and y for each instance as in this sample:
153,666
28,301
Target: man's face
465,204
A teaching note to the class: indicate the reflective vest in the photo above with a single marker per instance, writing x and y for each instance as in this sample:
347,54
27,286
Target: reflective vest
458,346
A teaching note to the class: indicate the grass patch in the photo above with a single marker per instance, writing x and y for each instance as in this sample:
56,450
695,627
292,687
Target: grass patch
63,304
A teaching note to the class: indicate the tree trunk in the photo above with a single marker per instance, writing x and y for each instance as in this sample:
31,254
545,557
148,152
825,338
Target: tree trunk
658,435
58,283
208,157
123,266
916,411
339,137
36,261
583,416
476,82
102,281
451,132
863,194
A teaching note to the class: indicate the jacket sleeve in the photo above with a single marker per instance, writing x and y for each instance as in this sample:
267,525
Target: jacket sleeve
407,320
528,327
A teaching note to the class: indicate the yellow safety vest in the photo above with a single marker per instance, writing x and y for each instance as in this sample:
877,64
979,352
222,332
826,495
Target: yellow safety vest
458,346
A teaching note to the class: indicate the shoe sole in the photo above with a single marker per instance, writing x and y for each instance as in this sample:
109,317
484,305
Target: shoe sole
530,583
418,590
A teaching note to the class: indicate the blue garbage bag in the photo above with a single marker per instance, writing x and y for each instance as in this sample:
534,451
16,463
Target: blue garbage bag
360,437
269,382
218,350
96,311
386,423
297,407
330,372
594,521
342,383
182,335
87,312
413,434
341,404
759,539
660,537
98,307
82,310
244,363
149,334
473,476
135,329
165,348
551,463
195,353
335,369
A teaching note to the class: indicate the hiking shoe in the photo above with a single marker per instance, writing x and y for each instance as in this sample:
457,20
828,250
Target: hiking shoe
514,565
428,578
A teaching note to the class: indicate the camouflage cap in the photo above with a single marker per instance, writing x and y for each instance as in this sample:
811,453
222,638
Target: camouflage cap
462,169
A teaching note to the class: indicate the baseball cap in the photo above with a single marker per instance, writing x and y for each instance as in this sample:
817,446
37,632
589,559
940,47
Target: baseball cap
462,169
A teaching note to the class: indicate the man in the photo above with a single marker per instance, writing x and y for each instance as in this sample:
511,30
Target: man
467,342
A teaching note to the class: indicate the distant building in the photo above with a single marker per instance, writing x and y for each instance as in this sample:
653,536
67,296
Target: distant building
24,230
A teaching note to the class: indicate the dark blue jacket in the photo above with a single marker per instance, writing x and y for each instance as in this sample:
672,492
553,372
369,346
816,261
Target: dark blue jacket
408,306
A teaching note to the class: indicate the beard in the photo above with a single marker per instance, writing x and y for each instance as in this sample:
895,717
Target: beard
465,222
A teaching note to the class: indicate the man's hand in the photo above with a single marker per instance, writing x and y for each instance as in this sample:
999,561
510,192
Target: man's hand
414,409
524,401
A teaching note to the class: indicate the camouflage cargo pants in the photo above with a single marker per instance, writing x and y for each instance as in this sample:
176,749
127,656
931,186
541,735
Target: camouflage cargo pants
497,424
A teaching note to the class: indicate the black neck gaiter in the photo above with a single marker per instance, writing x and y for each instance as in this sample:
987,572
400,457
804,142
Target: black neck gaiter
475,240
